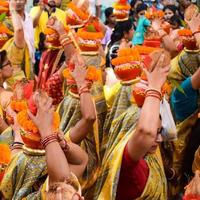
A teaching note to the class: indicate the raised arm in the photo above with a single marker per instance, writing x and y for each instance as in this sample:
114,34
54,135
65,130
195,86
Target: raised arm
36,18
148,125
85,125
57,164
18,27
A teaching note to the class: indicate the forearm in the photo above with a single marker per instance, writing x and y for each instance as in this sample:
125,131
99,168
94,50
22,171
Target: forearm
85,125
77,159
58,167
195,80
3,125
146,131
18,30
37,18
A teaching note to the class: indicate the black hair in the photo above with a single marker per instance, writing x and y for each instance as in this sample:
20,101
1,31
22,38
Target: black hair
119,30
140,7
173,8
175,20
3,57
108,11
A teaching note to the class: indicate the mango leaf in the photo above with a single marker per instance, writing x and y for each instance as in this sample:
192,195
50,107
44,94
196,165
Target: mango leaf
2,17
91,28
176,85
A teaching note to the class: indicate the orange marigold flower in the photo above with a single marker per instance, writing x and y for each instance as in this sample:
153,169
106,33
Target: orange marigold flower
185,32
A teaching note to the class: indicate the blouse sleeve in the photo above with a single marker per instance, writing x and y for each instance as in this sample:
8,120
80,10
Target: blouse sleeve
184,103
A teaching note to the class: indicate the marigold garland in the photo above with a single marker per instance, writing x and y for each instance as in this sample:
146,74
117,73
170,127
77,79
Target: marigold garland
18,105
92,74
83,15
126,55
154,14
120,6
146,50
185,32
5,154
26,123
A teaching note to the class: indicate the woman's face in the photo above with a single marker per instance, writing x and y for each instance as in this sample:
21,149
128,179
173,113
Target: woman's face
7,70
129,35
168,14
112,19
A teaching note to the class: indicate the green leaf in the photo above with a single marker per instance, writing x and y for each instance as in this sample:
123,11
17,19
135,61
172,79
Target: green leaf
2,17
91,28
176,85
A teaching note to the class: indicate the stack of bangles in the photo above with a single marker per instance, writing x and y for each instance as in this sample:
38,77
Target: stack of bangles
65,39
16,145
83,89
54,138
151,92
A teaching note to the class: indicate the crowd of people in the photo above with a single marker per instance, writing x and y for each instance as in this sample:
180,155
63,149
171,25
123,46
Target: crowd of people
99,110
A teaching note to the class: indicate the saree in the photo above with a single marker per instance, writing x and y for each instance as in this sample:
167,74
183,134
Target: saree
107,182
182,67
25,174
70,113
20,60
122,101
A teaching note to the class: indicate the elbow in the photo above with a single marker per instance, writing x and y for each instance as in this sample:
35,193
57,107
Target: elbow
90,118
150,131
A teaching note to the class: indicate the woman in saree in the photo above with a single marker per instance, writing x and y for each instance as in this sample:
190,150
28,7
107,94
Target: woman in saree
6,72
133,161
20,48
70,161
183,67
28,182
69,109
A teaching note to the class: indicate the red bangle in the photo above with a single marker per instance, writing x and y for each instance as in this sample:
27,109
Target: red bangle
153,95
49,139
196,32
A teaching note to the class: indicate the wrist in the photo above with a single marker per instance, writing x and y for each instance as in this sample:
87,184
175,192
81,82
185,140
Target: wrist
154,87
81,83
46,132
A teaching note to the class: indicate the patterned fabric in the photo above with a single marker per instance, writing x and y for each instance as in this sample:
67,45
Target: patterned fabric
123,100
121,131
19,58
25,175
182,67
70,114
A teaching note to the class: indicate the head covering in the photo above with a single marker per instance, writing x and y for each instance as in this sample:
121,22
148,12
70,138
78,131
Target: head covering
121,10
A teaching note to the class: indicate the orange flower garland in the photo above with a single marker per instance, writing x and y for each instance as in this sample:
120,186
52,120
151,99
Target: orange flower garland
82,33
26,123
145,49
5,157
126,56
18,105
152,13
185,32
92,74
83,15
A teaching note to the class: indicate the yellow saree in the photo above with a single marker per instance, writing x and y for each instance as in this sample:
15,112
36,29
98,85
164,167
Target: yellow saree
106,186
25,174
70,114
182,67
